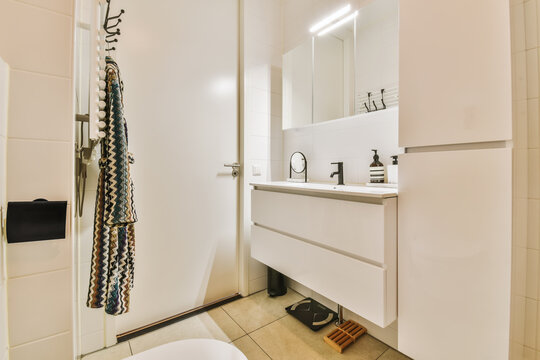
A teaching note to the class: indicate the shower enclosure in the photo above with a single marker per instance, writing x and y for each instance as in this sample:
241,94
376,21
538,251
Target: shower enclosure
179,61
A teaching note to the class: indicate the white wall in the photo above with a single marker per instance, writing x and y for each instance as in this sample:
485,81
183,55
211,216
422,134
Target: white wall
349,140
36,41
4,88
262,111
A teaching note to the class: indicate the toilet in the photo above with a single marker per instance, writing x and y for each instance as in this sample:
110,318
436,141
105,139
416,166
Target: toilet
192,349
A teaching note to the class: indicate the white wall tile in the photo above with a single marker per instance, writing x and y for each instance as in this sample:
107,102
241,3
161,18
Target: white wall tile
519,271
532,274
3,320
39,169
4,90
520,109
276,80
521,173
519,76
533,126
39,306
528,353
258,147
532,73
537,17
531,307
61,6
52,348
276,171
516,349
517,20
35,39
40,107
275,104
517,320
520,223
531,30
534,173
39,256
257,124
533,224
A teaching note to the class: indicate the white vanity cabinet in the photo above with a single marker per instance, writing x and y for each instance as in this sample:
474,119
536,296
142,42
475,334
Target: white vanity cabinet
341,244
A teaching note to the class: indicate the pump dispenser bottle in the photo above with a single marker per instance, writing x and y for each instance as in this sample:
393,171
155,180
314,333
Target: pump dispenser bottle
392,170
376,169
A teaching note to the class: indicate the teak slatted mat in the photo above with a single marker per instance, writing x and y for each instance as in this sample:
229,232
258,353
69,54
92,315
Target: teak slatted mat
344,335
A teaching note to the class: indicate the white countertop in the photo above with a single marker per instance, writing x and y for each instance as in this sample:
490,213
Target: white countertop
350,190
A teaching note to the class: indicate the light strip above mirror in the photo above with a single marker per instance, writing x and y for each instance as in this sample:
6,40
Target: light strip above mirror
330,18
338,24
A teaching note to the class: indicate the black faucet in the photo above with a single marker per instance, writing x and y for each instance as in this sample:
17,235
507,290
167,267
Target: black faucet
339,172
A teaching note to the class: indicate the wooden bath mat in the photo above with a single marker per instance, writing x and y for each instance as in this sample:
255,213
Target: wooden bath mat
344,335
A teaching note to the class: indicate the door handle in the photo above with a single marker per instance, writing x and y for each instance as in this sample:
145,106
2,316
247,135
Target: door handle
235,168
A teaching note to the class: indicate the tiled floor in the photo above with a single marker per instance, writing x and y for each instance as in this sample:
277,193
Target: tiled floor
259,326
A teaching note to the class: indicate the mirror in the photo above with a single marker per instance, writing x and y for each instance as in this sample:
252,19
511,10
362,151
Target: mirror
333,73
348,68
298,165
297,86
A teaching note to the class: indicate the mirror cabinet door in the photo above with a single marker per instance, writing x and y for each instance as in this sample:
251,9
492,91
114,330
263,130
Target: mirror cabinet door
333,74
297,86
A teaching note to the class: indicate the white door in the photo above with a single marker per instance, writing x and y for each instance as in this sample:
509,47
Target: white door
179,63
455,226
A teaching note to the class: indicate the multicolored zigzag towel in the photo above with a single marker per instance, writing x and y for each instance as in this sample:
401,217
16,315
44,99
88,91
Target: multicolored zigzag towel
111,275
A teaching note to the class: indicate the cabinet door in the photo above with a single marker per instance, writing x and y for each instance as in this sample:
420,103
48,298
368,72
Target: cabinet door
455,72
454,254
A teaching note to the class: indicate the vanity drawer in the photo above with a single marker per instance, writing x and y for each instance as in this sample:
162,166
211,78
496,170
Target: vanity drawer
365,289
362,229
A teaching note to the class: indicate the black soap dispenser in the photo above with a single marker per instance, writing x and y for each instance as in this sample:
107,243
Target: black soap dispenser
376,170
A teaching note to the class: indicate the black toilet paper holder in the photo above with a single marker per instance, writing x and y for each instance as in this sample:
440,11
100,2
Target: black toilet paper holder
35,220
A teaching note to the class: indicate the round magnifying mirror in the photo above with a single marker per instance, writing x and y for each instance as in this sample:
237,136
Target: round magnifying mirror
298,162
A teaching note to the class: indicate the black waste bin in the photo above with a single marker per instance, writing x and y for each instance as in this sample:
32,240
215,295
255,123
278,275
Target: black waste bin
276,283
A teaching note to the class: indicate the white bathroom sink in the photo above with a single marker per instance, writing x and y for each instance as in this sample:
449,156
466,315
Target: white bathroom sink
351,190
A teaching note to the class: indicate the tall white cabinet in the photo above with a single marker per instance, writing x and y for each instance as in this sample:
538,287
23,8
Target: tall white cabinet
455,72
455,180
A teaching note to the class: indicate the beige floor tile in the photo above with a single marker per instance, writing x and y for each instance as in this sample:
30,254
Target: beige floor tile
215,324
250,348
288,339
226,323
116,352
258,310
392,354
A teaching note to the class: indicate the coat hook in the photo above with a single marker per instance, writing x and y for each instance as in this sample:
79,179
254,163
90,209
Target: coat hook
375,105
382,98
368,110
115,25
